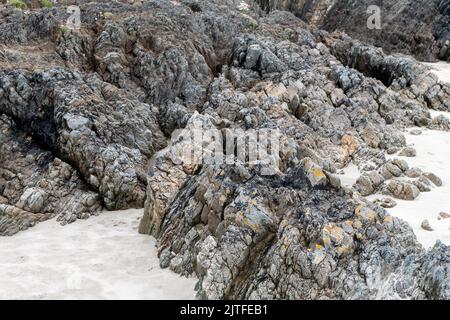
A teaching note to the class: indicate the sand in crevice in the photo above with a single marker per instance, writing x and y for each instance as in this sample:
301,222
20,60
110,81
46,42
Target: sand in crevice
441,69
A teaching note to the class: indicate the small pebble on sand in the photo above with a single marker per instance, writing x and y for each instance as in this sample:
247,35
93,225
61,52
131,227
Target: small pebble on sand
444,215
426,225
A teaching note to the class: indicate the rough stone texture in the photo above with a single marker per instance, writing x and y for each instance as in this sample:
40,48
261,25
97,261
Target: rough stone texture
294,234
390,179
106,99
426,225
248,236
408,152
415,27
88,123
385,202
35,185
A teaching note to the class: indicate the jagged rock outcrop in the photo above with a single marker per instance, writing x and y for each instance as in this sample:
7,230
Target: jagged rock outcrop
36,186
418,28
247,235
107,124
284,236
91,124
113,105
312,11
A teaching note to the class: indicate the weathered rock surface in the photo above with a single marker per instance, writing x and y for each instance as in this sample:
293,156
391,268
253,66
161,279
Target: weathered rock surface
415,27
395,178
285,237
105,100
35,185
426,225
385,202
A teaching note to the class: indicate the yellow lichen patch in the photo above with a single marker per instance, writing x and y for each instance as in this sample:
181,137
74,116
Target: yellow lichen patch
317,172
357,224
247,222
344,250
335,236
388,219
366,213
333,233
319,247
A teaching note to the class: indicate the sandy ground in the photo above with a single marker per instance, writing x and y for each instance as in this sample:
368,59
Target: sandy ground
103,257
433,152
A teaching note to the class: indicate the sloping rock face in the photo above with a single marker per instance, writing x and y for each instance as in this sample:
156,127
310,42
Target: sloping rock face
111,108
418,28
296,233
36,186
311,11
95,97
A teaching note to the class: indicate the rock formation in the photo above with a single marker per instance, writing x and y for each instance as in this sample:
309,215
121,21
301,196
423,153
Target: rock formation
415,27
99,116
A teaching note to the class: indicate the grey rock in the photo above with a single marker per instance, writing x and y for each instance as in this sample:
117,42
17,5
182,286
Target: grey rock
425,225
117,100
315,174
431,25
32,200
408,152
364,185
444,215
433,178
386,202
402,190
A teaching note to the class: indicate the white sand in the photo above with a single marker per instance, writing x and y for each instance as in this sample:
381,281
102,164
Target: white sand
351,174
441,69
436,113
103,257
433,154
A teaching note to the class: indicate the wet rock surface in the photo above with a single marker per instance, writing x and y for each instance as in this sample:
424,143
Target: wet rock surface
93,116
